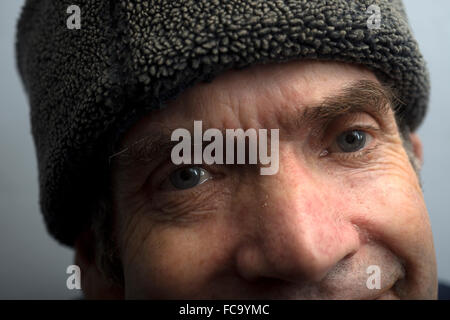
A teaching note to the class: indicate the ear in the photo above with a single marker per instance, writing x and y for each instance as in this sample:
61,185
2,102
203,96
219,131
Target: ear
417,147
94,283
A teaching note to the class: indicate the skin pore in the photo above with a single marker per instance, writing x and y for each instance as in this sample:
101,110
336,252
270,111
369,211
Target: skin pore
308,232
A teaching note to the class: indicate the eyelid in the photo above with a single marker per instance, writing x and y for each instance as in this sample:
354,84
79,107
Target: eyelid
354,121
154,175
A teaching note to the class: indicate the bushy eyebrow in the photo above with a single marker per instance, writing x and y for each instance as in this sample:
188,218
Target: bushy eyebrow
360,96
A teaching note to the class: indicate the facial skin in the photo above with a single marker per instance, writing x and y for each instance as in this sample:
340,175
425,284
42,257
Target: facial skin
308,232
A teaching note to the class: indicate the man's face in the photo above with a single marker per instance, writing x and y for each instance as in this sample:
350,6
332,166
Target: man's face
345,197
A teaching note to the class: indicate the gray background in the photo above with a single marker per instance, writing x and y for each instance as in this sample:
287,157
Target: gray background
33,265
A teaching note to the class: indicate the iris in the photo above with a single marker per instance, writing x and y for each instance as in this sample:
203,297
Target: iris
351,141
188,177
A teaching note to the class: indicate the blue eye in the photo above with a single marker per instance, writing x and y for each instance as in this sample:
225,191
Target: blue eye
188,177
351,141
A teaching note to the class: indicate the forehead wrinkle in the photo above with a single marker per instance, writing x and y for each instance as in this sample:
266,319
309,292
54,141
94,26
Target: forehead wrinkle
358,96
233,92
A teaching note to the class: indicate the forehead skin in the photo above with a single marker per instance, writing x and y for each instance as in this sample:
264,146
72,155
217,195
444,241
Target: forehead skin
241,96
309,231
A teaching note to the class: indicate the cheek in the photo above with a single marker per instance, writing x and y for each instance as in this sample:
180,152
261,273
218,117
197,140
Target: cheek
174,262
392,211
388,205
393,200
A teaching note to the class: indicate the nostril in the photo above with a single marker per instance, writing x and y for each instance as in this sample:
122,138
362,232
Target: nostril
348,256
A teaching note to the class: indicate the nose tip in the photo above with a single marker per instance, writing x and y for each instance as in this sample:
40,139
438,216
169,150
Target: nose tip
305,232
306,256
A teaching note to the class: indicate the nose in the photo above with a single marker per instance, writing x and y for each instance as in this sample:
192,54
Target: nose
299,234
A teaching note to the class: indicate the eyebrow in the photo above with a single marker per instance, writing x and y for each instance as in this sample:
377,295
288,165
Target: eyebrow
360,96
152,146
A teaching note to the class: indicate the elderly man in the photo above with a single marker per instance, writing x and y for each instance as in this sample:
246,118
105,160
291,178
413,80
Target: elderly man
339,85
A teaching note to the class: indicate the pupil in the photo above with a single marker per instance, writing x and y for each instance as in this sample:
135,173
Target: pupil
185,175
185,178
351,138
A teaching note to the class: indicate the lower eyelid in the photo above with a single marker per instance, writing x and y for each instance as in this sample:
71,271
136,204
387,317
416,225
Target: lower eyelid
360,155
190,203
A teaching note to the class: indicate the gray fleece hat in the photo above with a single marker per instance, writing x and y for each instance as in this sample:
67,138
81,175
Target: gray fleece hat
87,86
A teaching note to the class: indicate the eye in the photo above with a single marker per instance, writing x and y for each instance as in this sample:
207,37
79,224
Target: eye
188,177
352,141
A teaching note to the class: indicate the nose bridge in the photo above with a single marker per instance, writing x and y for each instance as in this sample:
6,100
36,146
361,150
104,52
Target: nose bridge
301,231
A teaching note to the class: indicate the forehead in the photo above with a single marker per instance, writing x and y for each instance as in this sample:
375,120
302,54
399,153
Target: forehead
253,97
